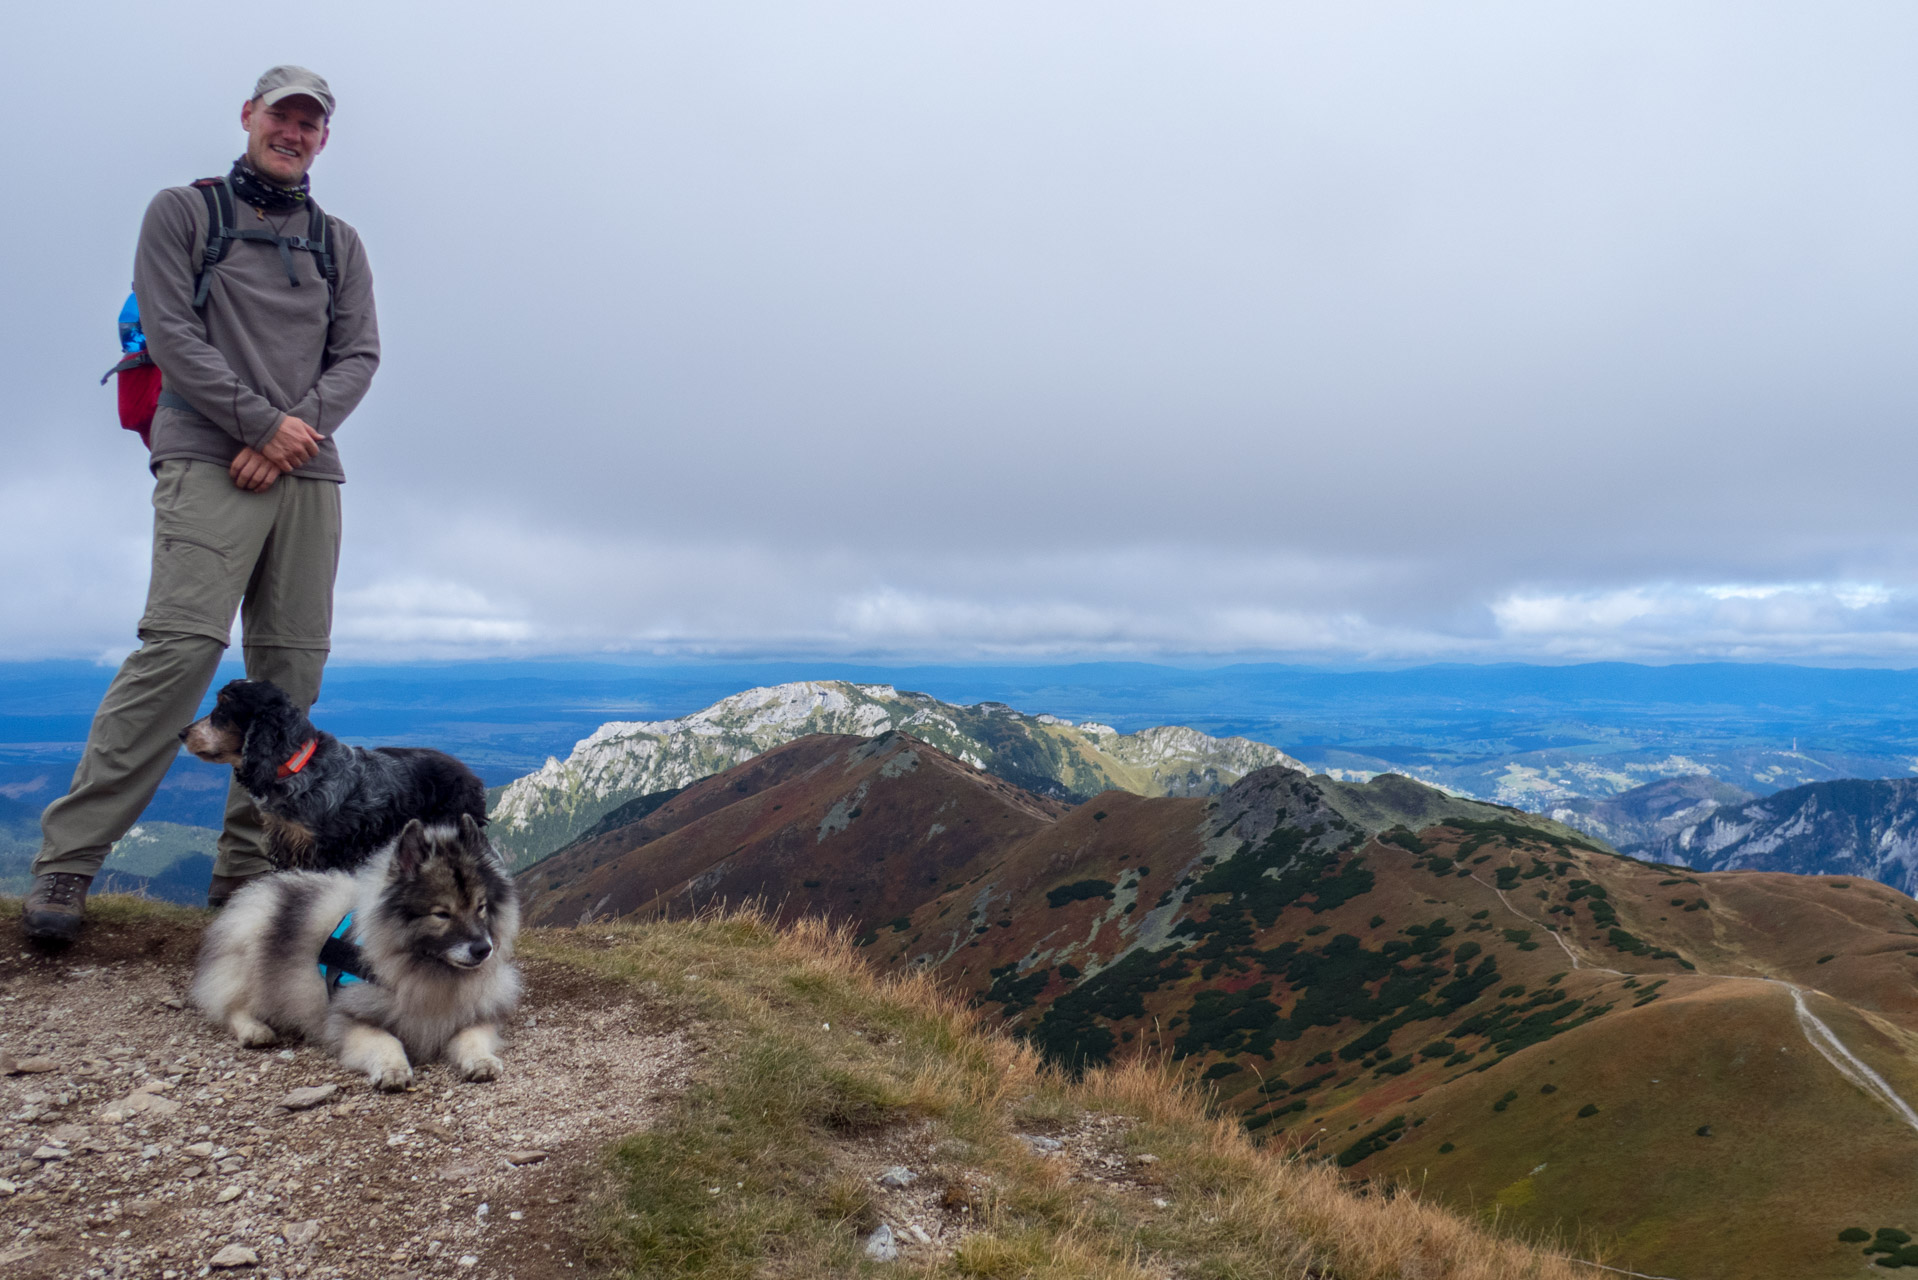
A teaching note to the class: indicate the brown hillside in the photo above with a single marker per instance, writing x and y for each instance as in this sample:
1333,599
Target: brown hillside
708,795
828,825
1515,1009
1703,1075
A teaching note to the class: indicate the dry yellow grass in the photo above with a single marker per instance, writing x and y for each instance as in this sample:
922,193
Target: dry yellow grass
784,1096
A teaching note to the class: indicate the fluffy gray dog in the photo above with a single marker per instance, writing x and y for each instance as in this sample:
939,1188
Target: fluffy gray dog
407,960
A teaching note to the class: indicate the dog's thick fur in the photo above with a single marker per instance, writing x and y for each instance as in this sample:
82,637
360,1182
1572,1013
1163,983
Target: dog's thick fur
345,802
435,916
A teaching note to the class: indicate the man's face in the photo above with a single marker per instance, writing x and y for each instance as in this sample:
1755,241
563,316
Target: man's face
283,139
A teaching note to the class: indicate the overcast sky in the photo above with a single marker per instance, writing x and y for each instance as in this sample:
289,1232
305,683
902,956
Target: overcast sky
1380,332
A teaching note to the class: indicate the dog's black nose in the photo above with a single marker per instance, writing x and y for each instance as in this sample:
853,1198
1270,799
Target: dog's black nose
480,950
184,732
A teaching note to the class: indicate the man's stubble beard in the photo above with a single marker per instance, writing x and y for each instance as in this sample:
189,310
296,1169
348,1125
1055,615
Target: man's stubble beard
262,157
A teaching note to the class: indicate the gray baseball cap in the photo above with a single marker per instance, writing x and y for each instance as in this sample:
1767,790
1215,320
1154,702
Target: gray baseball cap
289,82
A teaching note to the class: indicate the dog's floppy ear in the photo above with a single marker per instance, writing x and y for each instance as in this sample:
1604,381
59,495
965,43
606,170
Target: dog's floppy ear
412,851
273,730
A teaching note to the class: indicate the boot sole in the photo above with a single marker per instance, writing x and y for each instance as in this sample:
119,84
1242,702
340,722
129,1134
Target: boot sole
47,927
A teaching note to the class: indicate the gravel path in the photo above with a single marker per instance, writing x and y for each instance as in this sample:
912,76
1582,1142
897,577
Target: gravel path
137,1140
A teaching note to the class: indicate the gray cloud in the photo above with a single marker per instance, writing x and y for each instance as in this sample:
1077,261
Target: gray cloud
1392,331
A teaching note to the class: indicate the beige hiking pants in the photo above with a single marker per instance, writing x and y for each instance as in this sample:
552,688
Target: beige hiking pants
217,550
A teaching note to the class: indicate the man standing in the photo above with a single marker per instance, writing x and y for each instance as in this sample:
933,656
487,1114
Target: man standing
259,314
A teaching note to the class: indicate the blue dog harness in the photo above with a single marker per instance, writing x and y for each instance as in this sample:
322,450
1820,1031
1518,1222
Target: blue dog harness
341,960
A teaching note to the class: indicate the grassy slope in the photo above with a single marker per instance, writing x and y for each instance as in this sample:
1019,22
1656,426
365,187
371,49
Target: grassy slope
147,850
1795,1152
813,1053
151,847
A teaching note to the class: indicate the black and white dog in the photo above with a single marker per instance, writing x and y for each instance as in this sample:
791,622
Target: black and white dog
327,806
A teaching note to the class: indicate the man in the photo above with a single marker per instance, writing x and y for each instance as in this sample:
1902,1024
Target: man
261,360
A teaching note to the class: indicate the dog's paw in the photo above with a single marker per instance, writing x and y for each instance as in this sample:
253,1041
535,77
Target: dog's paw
482,1067
251,1032
391,1078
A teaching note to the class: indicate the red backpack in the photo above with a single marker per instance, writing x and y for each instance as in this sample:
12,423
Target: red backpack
139,376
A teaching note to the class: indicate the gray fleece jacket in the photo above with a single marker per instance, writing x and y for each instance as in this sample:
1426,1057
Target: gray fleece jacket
260,348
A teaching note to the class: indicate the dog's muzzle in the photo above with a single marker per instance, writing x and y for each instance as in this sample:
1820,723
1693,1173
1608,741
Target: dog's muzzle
470,955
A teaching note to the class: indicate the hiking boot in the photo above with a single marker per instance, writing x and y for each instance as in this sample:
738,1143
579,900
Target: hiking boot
56,906
223,887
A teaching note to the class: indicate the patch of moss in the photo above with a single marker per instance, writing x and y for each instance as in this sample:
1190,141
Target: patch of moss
1404,839
1372,1142
1017,994
1077,890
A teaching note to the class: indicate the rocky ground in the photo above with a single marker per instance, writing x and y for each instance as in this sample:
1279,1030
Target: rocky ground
137,1140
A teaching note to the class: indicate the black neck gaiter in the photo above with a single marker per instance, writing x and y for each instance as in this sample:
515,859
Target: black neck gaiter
262,192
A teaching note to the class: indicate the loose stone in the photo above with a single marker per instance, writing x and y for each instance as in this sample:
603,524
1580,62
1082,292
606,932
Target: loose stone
880,1245
309,1097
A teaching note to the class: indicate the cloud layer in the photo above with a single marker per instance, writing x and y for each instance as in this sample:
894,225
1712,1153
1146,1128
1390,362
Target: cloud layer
1393,333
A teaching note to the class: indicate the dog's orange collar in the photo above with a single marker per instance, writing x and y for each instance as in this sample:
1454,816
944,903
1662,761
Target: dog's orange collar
300,757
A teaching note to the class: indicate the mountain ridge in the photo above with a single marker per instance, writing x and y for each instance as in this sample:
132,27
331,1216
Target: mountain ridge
1852,827
622,760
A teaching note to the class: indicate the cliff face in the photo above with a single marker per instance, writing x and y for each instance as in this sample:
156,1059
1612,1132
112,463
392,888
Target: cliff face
1855,827
1644,817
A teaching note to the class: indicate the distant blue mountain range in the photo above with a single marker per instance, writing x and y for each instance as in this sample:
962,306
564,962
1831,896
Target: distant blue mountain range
1518,733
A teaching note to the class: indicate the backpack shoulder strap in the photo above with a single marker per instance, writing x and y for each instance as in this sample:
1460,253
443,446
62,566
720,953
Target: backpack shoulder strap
319,238
219,232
